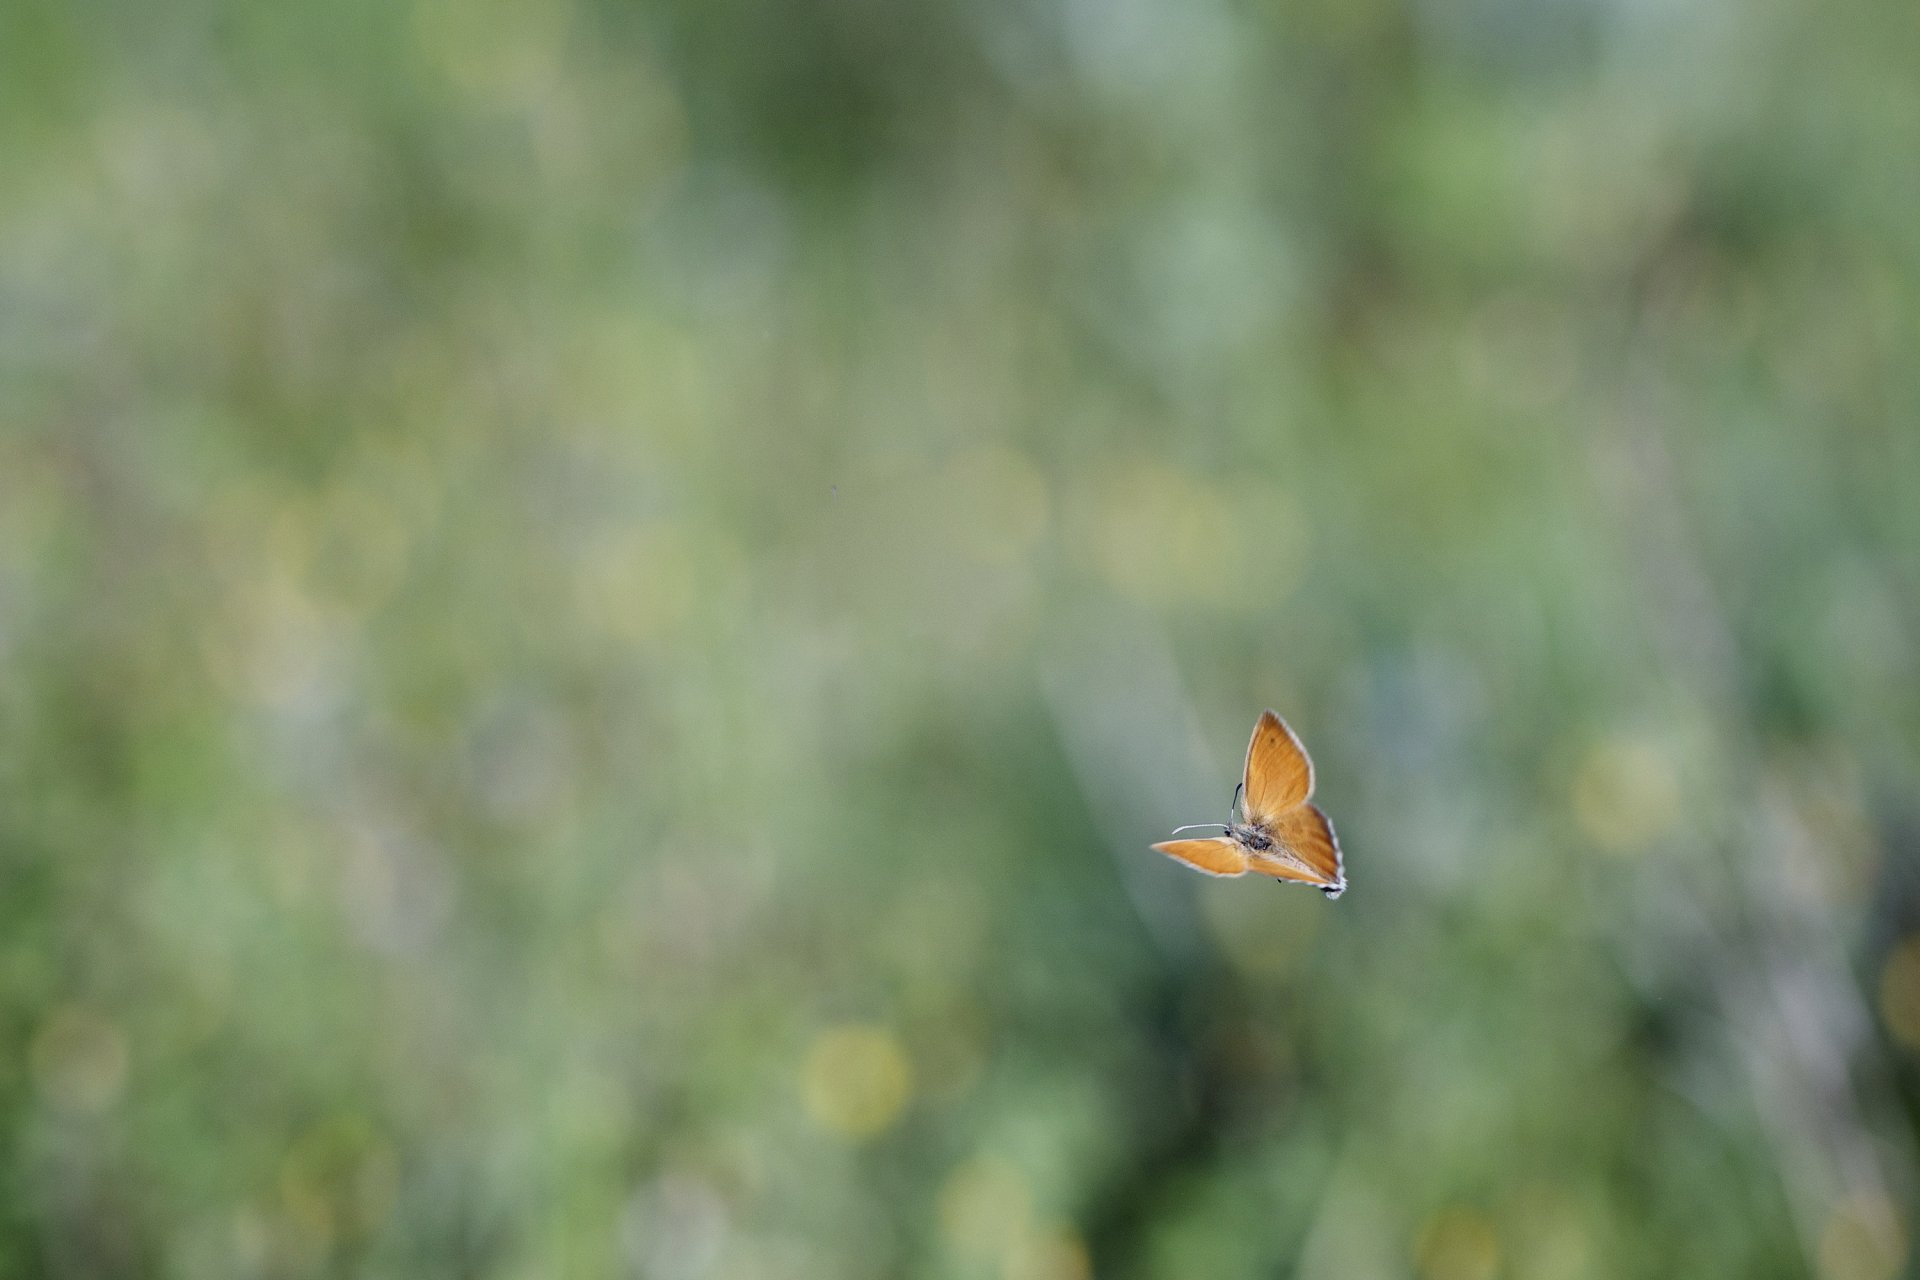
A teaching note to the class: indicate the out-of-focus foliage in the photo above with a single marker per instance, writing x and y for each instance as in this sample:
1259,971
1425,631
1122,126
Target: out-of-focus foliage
599,604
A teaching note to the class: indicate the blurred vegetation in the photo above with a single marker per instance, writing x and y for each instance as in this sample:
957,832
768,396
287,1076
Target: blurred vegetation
599,604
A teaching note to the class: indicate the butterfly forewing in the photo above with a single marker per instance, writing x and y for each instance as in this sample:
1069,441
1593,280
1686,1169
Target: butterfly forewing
1217,855
1279,774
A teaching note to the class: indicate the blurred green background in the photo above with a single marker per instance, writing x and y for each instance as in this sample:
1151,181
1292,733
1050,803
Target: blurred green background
599,604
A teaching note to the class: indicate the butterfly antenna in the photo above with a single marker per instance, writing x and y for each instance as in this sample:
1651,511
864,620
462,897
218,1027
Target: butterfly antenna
1197,825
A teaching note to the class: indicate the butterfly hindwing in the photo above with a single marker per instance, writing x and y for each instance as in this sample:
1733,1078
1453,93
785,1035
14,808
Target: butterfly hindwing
1305,836
1281,867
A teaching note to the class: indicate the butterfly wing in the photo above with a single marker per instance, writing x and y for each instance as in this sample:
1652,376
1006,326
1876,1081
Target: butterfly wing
1281,868
1216,855
1279,774
1306,850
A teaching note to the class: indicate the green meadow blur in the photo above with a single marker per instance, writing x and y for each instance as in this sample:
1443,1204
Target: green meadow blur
599,604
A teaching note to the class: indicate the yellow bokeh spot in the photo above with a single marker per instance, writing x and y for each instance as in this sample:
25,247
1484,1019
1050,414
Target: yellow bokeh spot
1549,1239
1862,1240
79,1060
308,1212
338,1181
857,1080
1458,1244
1160,538
985,1207
1626,794
1055,1253
1900,992
641,583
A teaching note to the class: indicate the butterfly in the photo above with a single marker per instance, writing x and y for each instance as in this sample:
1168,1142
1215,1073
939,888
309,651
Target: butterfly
1277,832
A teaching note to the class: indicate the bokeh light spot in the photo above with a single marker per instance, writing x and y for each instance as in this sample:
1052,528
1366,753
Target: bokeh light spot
1458,1244
985,1207
309,1210
1625,794
1057,1253
1862,1240
1160,538
1900,992
1549,1238
641,583
338,1182
857,1080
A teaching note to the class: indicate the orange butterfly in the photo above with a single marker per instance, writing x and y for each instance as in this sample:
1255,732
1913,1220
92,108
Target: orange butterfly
1279,833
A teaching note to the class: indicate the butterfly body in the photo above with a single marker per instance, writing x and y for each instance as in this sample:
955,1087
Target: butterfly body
1276,830
1254,839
